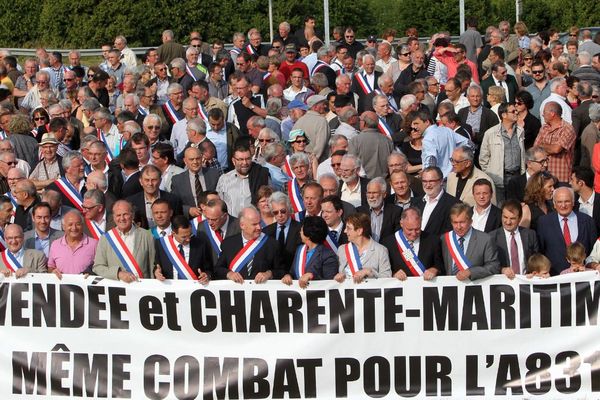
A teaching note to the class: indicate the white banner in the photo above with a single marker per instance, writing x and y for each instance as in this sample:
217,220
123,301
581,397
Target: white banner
496,338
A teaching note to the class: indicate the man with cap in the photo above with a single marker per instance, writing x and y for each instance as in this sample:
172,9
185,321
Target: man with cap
291,62
316,127
296,109
50,166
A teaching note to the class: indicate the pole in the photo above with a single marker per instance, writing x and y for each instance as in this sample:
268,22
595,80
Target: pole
461,7
517,9
271,20
326,18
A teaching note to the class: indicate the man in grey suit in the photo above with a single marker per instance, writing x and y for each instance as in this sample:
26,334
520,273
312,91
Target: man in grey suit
42,235
478,247
515,244
27,260
138,241
189,184
219,221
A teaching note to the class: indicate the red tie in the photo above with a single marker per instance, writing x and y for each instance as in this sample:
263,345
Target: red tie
514,255
566,232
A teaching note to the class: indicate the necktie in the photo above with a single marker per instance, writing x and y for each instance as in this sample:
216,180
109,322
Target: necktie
181,251
514,254
198,188
219,234
411,244
461,243
281,237
566,232
163,233
334,235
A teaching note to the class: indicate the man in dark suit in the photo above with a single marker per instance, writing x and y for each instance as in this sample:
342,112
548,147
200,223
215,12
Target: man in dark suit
425,246
515,244
536,160
125,179
476,247
364,83
435,204
558,229
221,223
332,210
261,266
580,116
203,179
194,250
587,201
486,216
73,165
385,218
500,77
98,217
484,121
142,201
397,161
285,230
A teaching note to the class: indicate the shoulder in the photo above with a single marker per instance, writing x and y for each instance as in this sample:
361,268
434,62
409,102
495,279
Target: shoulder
35,254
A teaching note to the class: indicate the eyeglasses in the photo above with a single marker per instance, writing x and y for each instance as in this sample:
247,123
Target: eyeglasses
39,118
453,161
161,69
90,75
88,208
153,127
13,163
430,181
277,212
349,36
405,54
68,79
572,34
538,71
300,141
197,46
335,165
543,161
266,140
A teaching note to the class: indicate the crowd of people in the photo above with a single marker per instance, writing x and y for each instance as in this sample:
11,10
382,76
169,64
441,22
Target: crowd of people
299,161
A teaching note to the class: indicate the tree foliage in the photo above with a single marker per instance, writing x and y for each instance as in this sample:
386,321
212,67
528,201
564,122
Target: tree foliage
89,23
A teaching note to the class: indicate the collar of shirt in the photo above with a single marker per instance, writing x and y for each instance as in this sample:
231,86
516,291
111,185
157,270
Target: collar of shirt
150,202
572,217
589,201
467,236
168,230
19,253
435,200
377,212
84,241
177,244
485,212
338,228
508,234
346,188
129,233
38,237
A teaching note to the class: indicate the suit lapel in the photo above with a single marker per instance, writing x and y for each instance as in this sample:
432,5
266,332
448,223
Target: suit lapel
472,245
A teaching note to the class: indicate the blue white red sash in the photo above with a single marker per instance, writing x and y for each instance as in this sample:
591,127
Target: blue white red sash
390,99
250,50
68,190
353,258
177,260
299,266
408,255
10,261
102,138
299,216
195,222
458,256
287,168
319,64
94,229
2,242
384,128
190,73
127,259
329,242
202,112
3,135
266,76
170,112
12,199
243,257
235,51
142,111
295,195
363,83
214,238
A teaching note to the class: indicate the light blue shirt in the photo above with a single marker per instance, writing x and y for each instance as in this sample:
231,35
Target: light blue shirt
438,144
42,245
278,178
219,139
19,255
572,223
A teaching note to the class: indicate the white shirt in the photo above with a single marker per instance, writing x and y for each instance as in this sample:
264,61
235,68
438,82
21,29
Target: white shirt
508,236
479,220
129,237
587,207
572,223
113,140
186,255
429,206
179,137
352,196
504,86
385,65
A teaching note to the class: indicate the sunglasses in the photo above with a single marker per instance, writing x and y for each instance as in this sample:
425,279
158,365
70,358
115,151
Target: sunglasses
39,118
539,71
405,54
277,212
301,141
153,127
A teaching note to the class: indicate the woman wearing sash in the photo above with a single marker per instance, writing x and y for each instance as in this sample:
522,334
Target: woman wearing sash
362,257
313,260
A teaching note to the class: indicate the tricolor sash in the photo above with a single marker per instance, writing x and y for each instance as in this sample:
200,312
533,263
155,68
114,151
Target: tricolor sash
68,190
384,128
457,254
202,112
363,83
102,138
3,135
390,98
299,266
250,50
190,73
295,195
299,216
266,76
243,257
94,229
319,64
287,168
2,242
177,260
141,111
408,255
353,258
329,242
214,238
127,259
12,198
195,222
170,112
10,261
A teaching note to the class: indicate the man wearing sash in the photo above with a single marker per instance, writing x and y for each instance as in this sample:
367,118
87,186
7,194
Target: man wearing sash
126,252
332,212
107,132
181,255
72,185
365,82
15,259
162,212
250,254
216,225
467,252
97,155
97,220
172,110
412,251
389,120
179,136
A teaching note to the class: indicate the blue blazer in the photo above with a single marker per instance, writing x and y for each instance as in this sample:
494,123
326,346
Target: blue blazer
552,242
323,264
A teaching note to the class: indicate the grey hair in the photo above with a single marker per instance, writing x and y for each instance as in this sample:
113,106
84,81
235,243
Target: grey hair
585,89
271,150
173,87
91,104
467,152
74,212
556,82
378,181
257,121
584,57
96,195
101,183
87,140
136,99
407,100
355,159
42,73
69,157
191,50
473,87
329,175
367,56
198,125
383,79
595,112
280,198
319,79
398,154
135,127
335,138
150,117
379,97
570,189
66,104
270,132
532,151
348,113
53,108
274,106
105,113
299,158
322,52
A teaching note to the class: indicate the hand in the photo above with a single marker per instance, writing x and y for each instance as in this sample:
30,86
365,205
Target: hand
56,272
126,277
262,277
203,277
6,273
287,279
340,277
430,273
235,276
194,212
305,280
463,275
158,273
508,272
400,275
361,275
594,265
246,102
21,272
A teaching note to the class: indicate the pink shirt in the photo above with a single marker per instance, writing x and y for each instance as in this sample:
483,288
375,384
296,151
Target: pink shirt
69,261
447,59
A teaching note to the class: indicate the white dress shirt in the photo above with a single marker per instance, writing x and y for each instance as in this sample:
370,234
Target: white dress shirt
429,206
